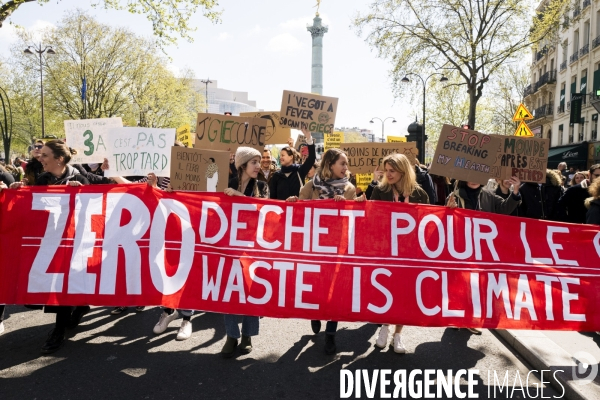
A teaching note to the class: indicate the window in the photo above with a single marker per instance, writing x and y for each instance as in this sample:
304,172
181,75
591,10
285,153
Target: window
575,42
586,33
594,127
560,134
571,132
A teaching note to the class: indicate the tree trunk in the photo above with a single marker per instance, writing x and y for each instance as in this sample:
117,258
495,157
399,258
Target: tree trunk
473,98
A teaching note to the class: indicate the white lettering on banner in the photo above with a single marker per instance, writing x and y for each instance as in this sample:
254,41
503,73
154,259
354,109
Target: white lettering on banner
567,297
283,267
488,237
260,231
268,289
597,243
290,228
554,247
524,299
211,286
475,295
235,283
162,282
427,311
125,237
388,296
317,230
39,280
302,287
468,239
81,281
352,215
446,312
528,256
356,289
223,223
441,236
548,293
237,225
400,231
497,288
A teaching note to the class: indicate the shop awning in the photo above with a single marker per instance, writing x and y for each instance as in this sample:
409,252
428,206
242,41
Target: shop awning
575,155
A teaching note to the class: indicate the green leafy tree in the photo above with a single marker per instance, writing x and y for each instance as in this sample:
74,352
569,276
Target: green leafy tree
169,18
474,38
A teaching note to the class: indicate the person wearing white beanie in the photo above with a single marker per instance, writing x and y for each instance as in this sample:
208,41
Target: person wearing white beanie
247,164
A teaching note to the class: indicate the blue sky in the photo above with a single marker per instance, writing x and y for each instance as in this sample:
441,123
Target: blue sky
263,47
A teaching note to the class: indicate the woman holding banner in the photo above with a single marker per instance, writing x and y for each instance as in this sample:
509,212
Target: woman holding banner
288,181
398,184
331,181
54,157
247,163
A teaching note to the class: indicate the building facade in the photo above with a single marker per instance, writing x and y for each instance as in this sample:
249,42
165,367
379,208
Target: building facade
223,100
571,65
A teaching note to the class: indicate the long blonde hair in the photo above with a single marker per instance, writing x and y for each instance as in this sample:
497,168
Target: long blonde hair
408,181
329,158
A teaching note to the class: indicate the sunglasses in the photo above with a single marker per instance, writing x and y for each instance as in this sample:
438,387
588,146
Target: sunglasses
38,146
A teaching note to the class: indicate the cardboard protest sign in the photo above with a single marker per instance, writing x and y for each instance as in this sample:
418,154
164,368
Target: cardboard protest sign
364,157
276,132
227,133
396,139
199,170
138,151
333,140
312,111
185,136
363,181
90,138
465,155
525,158
300,140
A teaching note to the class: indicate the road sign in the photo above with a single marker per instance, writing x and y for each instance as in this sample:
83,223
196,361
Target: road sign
523,130
522,114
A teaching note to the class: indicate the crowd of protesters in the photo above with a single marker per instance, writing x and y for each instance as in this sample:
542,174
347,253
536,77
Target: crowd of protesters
567,195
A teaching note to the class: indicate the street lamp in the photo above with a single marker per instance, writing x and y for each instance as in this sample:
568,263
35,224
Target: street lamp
40,51
382,125
406,80
206,82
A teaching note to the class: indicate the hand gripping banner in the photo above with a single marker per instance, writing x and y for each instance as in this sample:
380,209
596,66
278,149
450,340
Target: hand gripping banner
345,261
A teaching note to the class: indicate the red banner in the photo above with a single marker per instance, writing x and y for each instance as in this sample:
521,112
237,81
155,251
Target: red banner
345,261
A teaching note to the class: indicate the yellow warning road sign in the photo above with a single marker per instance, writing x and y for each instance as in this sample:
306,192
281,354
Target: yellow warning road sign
522,114
523,130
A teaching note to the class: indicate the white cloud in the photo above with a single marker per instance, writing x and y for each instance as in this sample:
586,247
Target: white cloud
285,43
223,36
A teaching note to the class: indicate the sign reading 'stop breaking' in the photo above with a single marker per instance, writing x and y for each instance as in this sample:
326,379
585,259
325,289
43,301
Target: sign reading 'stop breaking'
465,155
306,110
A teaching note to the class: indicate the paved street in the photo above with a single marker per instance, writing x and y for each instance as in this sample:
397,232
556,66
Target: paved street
120,358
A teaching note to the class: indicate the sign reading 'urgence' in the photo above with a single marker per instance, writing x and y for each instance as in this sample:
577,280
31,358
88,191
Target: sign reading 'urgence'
139,151
307,110
90,138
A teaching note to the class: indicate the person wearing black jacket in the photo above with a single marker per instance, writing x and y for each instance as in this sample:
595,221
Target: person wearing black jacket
6,176
34,168
503,190
571,206
540,201
592,204
288,181
54,157
424,180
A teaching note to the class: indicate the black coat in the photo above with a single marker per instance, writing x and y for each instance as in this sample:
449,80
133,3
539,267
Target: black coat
593,212
6,177
498,192
424,180
571,206
540,202
93,178
262,187
281,186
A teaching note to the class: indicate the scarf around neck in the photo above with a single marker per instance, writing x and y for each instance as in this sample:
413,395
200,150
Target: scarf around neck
330,188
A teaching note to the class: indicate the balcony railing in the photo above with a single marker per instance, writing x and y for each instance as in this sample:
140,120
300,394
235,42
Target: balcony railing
574,58
568,105
576,12
545,110
584,50
528,90
548,77
539,55
563,65
594,135
570,138
586,3
596,42
561,108
581,136
566,22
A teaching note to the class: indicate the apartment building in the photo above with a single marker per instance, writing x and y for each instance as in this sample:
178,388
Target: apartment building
572,65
